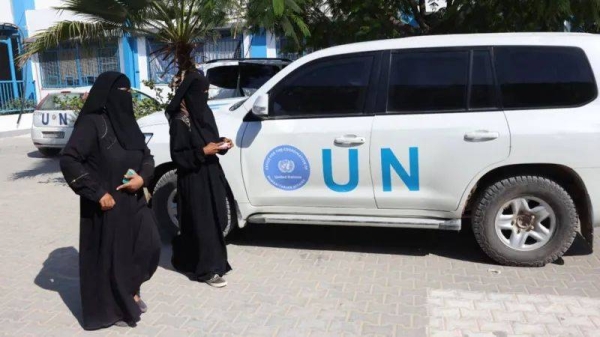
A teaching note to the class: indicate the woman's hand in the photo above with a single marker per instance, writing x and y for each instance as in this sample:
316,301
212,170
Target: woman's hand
183,108
135,183
229,142
211,149
107,202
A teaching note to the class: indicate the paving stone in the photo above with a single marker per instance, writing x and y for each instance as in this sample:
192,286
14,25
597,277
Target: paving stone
461,324
533,329
331,288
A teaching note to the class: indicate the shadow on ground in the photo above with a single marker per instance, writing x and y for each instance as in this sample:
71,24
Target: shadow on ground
43,167
60,273
412,242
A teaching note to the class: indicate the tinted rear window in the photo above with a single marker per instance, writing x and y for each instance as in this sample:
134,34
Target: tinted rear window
428,81
544,77
223,77
59,101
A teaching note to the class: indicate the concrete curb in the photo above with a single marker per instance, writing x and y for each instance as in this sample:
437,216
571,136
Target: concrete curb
15,133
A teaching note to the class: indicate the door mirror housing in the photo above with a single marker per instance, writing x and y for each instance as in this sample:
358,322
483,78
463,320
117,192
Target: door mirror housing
261,106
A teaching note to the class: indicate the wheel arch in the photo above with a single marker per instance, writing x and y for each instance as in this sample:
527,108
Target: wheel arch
563,175
163,168
159,171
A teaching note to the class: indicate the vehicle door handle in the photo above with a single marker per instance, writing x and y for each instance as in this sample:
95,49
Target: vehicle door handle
481,136
349,140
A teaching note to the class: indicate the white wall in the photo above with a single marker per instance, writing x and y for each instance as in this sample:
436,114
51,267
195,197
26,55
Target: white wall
41,19
143,63
6,11
46,4
247,39
271,44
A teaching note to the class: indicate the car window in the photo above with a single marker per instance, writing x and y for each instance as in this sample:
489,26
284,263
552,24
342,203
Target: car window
223,82
428,81
61,101
327,87
225,77
544,77
253,76
483,89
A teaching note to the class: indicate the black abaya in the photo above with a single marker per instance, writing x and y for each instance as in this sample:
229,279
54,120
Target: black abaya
202,188
119,249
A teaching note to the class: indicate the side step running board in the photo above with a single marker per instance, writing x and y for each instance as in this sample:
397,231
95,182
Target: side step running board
336,220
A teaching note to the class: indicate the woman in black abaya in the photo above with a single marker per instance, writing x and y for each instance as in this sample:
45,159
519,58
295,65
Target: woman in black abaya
119,246
203,191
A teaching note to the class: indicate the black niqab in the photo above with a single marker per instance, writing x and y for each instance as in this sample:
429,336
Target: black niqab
106,96
195,86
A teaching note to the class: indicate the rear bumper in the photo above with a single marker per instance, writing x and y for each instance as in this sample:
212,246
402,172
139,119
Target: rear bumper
41,141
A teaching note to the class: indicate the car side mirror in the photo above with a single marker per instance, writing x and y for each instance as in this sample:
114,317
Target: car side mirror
261,106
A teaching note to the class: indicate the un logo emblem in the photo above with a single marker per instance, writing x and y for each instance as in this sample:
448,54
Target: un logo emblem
286,166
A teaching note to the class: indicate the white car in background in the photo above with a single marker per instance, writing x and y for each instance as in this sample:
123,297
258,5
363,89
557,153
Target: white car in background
499,132
52,125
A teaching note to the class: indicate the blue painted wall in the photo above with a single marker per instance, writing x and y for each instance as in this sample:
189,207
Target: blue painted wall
258,45
130,60
18,10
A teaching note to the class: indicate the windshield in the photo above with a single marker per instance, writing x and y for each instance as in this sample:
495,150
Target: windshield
243,79
61,101
253,76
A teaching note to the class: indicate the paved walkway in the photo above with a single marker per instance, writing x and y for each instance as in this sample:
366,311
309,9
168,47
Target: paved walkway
9,126
287,280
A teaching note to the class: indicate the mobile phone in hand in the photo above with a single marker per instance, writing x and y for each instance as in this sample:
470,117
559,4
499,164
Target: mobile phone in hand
223,146
130,172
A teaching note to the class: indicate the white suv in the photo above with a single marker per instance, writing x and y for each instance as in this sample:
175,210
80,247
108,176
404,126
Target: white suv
501,131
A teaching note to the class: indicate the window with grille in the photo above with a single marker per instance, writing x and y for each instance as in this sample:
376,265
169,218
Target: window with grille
162,70
71,65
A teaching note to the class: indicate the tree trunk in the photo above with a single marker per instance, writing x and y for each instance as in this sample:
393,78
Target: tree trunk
185,60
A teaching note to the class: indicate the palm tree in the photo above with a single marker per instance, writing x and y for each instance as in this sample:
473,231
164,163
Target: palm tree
179,25
283,17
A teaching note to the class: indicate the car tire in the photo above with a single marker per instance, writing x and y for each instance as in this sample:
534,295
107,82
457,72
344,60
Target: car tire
164,203
506,221
163,199
49,151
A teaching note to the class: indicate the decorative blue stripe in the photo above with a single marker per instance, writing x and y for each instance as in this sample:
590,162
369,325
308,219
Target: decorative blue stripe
258,45
18,11
130,60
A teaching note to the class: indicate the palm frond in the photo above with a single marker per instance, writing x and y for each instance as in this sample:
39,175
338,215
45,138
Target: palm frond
107,10
278,7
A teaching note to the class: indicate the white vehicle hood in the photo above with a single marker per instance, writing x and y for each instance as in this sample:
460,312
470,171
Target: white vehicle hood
159,117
